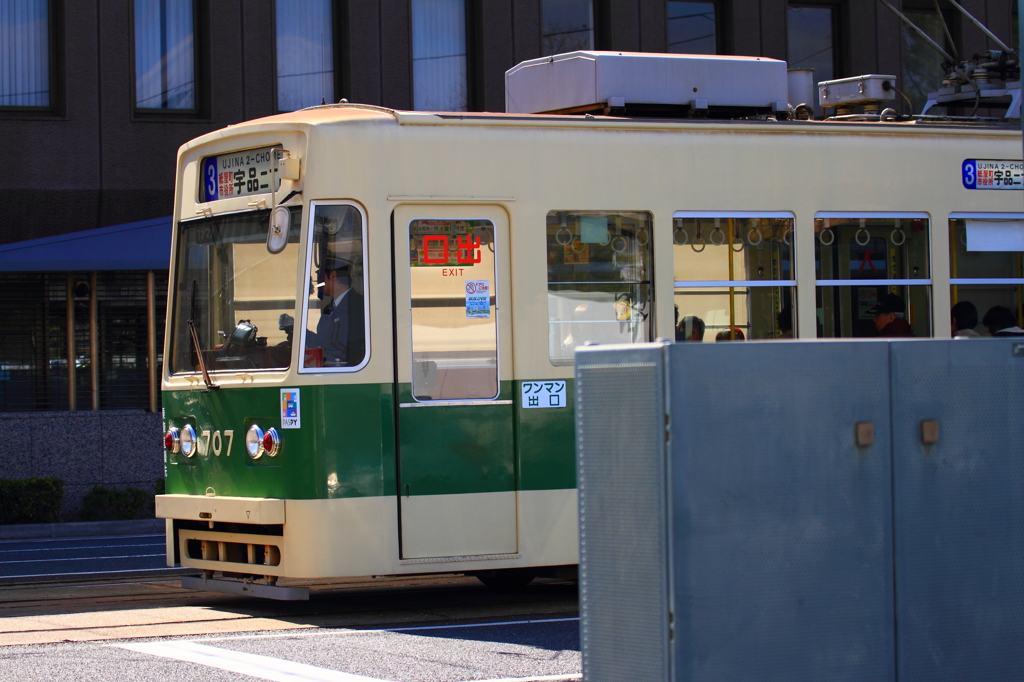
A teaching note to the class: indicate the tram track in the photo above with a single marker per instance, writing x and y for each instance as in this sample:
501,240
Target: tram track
89,611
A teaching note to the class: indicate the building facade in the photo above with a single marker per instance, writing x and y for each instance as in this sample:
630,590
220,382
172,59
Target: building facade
97,95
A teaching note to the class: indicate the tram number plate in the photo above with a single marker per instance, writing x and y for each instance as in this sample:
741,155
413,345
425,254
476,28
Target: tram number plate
993,174
537,394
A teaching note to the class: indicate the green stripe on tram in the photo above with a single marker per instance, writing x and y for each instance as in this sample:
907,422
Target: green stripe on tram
346,444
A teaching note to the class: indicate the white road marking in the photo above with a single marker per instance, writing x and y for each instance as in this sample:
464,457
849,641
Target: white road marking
262,667
326,632
82,558
543,678
277,669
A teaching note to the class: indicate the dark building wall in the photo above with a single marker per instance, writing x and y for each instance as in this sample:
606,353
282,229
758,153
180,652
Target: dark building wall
94,161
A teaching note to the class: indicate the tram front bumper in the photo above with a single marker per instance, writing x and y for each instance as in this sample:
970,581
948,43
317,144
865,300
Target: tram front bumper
249,552
260,511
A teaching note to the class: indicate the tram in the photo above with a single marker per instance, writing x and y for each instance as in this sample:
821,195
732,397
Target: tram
368,366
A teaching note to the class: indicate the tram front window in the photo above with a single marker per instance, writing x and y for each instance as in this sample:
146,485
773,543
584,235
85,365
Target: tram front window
599,280
240,297
733,277
873,276
986,264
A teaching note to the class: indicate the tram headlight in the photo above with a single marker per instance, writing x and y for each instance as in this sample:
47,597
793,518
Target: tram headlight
271,442
254,442
187,440
172,441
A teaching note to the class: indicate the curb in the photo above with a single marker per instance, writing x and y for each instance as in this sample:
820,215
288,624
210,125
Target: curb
23,531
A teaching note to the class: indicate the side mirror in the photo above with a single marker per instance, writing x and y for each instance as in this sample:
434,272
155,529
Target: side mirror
280,224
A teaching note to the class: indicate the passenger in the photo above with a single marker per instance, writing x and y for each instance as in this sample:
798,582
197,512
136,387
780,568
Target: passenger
341,328
963,320
737,335
691,328
1001,322
888,314
785,320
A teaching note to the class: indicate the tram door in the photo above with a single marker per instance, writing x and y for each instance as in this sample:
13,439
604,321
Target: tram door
456,469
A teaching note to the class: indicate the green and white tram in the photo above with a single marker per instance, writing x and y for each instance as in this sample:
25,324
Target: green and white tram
368,362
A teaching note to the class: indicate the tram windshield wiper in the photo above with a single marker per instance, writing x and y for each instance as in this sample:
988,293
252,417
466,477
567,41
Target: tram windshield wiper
195,342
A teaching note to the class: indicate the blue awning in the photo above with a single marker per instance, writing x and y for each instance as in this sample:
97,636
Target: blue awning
145,245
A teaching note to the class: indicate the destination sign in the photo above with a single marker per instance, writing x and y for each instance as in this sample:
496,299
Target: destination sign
992,174
237,174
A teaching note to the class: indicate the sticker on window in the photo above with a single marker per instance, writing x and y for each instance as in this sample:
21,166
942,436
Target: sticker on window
478,298
290,408
537,394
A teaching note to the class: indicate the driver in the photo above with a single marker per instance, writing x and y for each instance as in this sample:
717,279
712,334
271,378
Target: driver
341,327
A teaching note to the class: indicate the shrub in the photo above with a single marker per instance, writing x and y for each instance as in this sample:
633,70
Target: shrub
116,504
30,500
160,486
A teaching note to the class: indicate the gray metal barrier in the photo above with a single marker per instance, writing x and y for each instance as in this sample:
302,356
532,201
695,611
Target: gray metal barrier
802,511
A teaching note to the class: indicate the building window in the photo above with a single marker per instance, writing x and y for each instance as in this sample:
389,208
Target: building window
811,35
305,53
165,73
922,64
599,279
25,53
439,77
691,27
35,354
567,26
870,267
733,276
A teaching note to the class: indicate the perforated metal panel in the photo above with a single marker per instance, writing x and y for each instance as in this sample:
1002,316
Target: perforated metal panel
959,510
793,552
623,544
781,531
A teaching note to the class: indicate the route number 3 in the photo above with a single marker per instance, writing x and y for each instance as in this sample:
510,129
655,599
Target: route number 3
970,174
210,179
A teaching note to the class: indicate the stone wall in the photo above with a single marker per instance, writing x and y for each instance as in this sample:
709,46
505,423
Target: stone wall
118,448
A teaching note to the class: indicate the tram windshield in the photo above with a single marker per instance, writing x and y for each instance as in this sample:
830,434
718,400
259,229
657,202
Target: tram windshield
240,297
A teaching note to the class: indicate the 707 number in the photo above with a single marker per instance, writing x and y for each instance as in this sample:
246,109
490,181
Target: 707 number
214,441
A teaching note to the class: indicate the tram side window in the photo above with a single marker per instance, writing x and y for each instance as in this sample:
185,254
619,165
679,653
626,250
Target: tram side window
335,326
985,267
873,276
240,298
599,279
454,311
733,277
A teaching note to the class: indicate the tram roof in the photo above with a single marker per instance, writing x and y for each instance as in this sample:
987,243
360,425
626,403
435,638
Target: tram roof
353,113
349,113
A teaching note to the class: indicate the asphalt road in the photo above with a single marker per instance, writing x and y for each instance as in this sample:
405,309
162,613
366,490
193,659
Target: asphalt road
69,557
510,650
62,620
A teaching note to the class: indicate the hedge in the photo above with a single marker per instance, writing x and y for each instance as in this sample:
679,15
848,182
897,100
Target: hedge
30,500
116,504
